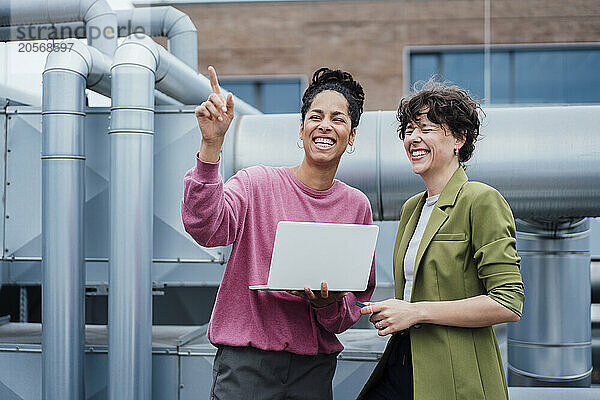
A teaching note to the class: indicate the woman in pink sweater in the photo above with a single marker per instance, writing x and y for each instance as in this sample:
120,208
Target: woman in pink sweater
276,345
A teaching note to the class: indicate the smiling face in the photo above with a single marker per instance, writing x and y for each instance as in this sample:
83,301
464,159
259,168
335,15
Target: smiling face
326,130
430,146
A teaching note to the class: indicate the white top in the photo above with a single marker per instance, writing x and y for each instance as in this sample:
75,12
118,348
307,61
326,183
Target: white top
413,246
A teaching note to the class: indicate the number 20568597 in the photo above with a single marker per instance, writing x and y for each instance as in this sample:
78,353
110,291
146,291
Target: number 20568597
44,47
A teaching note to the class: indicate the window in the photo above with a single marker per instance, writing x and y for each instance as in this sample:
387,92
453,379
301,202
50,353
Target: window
528,74
271,95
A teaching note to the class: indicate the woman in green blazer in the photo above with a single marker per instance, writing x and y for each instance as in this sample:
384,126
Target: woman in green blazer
456,268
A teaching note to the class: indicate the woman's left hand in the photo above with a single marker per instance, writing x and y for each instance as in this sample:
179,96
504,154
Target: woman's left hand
391,316
322,298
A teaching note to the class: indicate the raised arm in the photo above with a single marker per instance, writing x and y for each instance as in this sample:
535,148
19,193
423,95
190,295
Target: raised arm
214,117
210,210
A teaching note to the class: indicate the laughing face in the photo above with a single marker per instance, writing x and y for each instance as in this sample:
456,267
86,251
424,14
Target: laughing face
430,146
327,129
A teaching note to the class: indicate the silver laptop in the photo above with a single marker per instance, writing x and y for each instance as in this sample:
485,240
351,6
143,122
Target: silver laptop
308,253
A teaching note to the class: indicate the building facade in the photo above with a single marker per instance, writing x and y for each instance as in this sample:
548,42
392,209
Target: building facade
540,50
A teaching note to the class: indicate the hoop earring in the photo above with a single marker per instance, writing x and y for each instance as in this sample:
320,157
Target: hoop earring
299,144
456,151
351,147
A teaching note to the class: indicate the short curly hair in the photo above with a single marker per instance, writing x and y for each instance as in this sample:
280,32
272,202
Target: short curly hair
448,104
341,82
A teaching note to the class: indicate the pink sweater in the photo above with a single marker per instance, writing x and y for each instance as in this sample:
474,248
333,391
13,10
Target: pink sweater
245,211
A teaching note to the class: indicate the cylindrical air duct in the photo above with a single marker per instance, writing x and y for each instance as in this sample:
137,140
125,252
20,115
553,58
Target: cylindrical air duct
552,343
63,195
131,212
138,63
527,153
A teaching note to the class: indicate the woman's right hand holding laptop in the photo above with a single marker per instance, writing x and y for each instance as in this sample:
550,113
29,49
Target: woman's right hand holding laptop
319,299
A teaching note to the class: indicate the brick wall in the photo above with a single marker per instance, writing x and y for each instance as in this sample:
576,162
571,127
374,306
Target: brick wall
367,37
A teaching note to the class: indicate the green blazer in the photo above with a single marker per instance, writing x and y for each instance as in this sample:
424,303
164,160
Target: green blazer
468,249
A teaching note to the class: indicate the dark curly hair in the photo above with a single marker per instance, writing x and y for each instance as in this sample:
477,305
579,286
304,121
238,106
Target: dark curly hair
448,104
341,82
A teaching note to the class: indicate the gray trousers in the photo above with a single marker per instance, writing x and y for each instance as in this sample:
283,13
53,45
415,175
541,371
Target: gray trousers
247,373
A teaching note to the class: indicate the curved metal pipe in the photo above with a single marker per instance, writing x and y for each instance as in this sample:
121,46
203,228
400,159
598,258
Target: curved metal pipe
63,195
99,18
154,21
181,33
182,37
100,25
177,80
63,30
544,160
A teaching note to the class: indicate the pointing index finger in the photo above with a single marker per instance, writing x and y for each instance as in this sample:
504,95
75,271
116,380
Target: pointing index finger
214,82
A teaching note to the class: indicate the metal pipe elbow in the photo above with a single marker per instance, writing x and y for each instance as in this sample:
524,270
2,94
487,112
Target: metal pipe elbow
90,9
101,24
137,49
77,59
90,63
176,22
182,36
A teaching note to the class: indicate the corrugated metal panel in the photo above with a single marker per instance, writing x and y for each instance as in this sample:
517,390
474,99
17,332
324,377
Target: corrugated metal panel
3,122
177,136
23,223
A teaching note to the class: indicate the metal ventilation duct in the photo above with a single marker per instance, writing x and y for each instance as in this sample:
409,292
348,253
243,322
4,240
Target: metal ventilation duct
139,64
153,21
551,345
65,78
131,209
544,160
164,21
99,18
